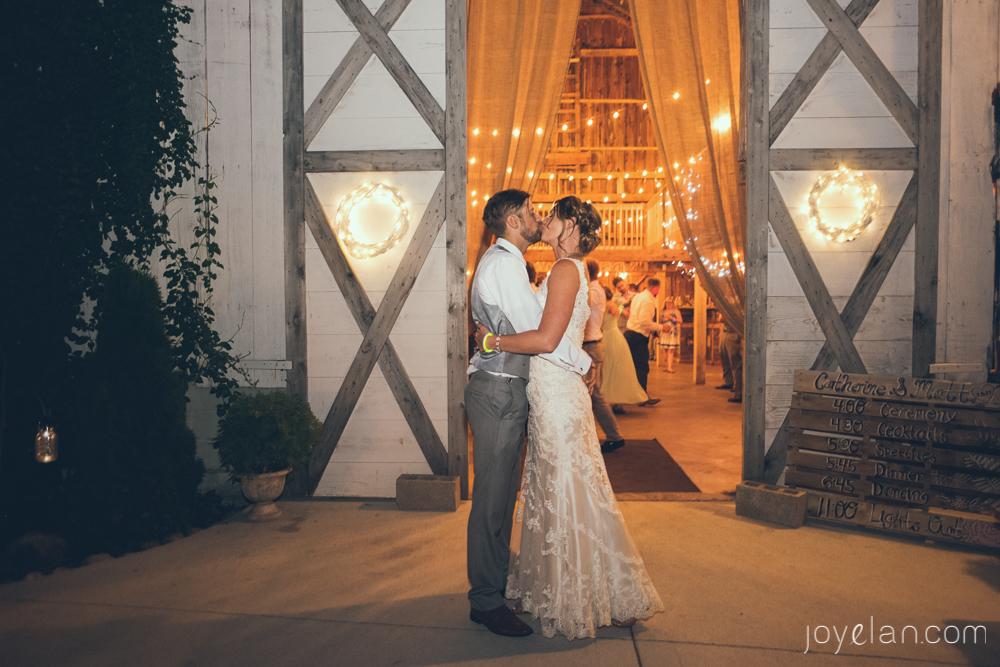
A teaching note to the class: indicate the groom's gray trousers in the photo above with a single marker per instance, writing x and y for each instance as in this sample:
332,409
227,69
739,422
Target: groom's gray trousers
498,409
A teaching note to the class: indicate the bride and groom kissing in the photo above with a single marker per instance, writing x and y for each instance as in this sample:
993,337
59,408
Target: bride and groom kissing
575,566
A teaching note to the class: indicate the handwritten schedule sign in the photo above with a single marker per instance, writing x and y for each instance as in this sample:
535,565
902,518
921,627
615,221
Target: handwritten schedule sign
906,455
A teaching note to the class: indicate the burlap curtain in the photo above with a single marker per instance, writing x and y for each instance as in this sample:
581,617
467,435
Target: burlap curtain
690,59
518,55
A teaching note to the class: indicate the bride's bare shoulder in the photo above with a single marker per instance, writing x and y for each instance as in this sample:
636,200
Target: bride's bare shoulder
564,275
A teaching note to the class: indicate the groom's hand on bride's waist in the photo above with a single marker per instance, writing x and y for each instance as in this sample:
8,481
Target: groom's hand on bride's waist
590,379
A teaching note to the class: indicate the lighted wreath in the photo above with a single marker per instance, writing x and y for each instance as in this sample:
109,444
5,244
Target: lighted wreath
869,201
342,221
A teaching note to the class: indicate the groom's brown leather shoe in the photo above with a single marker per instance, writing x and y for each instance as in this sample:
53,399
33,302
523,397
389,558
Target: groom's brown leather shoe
501,621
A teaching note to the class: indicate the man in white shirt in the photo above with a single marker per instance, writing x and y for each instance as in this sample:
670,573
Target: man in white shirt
593,344
641,324
502,300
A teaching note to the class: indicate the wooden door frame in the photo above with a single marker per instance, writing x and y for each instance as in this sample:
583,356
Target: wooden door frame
919,207
447,207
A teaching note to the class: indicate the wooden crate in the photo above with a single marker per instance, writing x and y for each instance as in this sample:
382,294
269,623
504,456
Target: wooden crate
904,455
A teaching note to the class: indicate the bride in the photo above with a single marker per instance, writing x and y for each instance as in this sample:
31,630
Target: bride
577,567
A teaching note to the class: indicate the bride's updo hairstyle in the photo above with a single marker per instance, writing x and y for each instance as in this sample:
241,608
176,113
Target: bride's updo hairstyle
587,219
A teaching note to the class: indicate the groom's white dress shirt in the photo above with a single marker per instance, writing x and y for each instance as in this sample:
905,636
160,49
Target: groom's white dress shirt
502,281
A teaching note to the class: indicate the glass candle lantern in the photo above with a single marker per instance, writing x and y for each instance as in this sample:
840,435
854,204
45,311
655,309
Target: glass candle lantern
46,444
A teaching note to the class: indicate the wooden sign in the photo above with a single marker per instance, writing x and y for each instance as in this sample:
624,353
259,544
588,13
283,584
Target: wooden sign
907,455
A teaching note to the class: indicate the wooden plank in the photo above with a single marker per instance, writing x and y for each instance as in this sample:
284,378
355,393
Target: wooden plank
957,367
418,159
875,408
872,68
812,71
455,235
756,29
347,71
700,331
366,316
980,395
962,528
921,496
823,159
401,71
925,274
890,450
267,178
976,482
294,197
609,53
293,185
840,340
979,440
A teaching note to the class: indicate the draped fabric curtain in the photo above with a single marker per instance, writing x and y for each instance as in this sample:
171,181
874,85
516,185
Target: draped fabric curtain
518,55
690,60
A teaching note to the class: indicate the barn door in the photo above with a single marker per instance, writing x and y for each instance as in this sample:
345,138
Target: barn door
831,88
374,153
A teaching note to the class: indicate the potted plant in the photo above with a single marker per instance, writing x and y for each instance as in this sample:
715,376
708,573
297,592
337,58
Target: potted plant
261,438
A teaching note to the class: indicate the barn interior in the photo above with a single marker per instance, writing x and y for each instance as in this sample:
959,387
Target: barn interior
584,110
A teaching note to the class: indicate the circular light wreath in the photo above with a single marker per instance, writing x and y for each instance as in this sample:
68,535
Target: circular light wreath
342,221
846,179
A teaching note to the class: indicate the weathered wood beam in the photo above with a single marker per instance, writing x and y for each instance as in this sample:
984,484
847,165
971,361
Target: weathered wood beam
455,239
822,159
812,71
756,31
293,189
347,71
874,71
812,285
609,53
376,345
925,263
401,71
856,309
403,160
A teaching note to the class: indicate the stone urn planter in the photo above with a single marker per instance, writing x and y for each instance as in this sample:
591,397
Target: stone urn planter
263,437
262,490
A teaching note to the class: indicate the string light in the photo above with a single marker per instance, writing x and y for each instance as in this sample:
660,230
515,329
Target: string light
472,160
476,131
677,96
531,174
342,220
590,121
644,106
494,133
517,132
868,203
565,127
614,115
489,165
538,131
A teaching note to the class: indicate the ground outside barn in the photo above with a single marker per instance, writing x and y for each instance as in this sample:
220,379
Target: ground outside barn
362,583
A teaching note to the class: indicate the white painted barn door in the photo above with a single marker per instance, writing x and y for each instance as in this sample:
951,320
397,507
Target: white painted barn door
377,342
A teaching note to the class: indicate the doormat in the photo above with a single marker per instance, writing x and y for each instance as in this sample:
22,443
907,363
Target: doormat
644,466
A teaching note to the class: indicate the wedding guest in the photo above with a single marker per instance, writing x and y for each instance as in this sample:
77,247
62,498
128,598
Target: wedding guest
731,354
622,298
641,324
670,337
619,385
594,346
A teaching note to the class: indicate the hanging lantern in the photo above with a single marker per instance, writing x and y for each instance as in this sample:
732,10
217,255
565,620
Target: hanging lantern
46,444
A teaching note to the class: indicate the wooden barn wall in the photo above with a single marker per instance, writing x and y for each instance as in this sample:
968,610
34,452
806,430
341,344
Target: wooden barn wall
377,445
841,112
971,70
230,54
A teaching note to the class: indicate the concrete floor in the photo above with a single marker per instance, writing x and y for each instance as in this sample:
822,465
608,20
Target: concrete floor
696,424
350,583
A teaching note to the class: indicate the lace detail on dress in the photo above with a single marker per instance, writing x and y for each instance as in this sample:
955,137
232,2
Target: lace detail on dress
576,567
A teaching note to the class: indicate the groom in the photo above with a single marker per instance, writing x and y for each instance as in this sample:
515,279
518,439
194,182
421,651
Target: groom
502,300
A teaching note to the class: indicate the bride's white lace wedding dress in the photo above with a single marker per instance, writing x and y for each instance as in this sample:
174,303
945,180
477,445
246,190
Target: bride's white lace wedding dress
576,567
